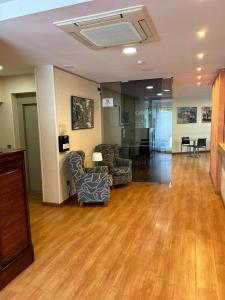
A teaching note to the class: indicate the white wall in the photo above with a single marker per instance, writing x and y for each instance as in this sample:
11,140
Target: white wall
9,86
185,97
66,85
1,80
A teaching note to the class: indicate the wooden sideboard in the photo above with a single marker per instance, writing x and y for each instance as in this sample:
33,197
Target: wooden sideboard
16,250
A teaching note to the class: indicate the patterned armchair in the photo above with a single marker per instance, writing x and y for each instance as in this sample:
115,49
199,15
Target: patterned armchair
91,184
119,168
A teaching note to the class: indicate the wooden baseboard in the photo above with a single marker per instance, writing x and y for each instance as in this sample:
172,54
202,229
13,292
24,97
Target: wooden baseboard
72,198
188,152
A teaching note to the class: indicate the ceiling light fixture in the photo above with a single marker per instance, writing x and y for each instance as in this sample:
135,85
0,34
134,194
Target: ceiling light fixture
159,94
199,83
200,55
166,90
140,62
149,87
1,67
199,69
201,33
199,77
129,50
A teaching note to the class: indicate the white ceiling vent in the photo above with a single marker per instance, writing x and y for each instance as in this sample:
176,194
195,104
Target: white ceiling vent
119,27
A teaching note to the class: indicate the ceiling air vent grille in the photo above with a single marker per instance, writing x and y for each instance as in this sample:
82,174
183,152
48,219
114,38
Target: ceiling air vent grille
120,27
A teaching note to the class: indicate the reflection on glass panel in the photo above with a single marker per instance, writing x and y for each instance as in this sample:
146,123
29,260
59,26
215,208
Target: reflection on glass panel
140,122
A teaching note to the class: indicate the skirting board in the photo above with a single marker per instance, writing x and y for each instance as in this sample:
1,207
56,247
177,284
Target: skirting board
188,152
74,197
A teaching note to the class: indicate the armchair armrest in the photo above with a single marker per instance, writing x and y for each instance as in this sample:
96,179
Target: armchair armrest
93,179
123,162
93,187
99,169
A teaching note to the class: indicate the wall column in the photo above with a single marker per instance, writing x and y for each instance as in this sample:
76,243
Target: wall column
46,104
217,128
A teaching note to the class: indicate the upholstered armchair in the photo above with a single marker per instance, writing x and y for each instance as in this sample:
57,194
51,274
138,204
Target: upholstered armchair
119,168
91,184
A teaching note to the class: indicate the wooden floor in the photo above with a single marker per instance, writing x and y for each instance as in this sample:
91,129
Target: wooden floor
151,242
158,169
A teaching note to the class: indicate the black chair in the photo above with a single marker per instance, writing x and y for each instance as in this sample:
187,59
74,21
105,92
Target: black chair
201,143
185,141
144,148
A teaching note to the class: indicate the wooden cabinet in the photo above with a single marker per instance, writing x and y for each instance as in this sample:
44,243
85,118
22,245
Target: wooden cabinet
16,250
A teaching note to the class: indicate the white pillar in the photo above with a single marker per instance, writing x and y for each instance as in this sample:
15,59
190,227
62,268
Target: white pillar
44,78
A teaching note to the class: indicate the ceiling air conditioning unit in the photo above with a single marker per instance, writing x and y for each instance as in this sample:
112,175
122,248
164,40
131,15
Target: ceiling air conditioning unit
119,27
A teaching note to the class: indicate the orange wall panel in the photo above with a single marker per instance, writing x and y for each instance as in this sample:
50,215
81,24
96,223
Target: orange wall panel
217,127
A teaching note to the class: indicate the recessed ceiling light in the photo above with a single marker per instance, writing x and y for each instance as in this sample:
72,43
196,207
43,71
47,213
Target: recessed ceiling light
150,87
199,83
199,69
159,94
201,33
199,77
166,90
200,55
1,67
129,50
140,62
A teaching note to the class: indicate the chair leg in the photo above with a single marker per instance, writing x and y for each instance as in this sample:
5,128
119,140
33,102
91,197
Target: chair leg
198,154
80,203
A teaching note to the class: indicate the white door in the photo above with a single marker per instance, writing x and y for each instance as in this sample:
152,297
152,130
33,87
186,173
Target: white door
32,147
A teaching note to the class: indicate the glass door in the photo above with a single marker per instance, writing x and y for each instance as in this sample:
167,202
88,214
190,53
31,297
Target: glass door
140,122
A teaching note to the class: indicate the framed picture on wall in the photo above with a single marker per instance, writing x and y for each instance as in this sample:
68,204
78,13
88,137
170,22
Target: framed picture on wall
206,114
186,115
82,113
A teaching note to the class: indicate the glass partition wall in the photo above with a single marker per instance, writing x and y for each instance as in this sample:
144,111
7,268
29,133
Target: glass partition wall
140,122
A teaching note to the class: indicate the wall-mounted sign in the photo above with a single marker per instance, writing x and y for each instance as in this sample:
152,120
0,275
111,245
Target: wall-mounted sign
107,102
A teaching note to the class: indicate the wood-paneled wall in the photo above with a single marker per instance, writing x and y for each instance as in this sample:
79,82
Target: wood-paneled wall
217,126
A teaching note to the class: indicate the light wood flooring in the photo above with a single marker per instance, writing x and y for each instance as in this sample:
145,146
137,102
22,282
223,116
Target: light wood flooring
151,242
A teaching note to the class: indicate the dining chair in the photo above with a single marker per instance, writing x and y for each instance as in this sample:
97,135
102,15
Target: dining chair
201,143
185,141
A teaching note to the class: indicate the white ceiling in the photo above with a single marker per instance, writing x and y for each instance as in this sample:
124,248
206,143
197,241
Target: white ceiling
17,8
33,40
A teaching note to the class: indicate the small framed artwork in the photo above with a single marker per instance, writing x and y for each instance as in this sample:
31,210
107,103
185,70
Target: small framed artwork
82,113
186,115
206,114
